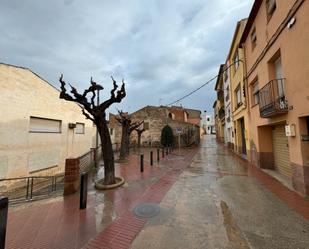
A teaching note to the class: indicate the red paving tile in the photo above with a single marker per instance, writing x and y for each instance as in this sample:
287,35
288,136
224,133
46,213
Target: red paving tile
61,224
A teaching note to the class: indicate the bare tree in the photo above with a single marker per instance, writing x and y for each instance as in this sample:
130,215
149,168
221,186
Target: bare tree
139,136
188,136
96,113
127,127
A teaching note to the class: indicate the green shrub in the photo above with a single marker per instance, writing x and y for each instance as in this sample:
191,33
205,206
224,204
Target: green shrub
167,136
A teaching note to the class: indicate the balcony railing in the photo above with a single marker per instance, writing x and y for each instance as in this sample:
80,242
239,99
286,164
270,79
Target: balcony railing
220,95
272,99
221,112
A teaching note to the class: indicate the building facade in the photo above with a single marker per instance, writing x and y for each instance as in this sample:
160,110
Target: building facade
209,124
155,118
228,133
38,131
277,68
219,106
235,58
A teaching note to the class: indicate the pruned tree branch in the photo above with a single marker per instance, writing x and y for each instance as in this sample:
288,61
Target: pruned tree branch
87,115
140,131
135,125
114,98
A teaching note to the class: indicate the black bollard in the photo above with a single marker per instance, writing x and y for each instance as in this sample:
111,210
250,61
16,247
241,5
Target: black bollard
83,191
4,203
142,162
151,158
163,152
158,155
167,150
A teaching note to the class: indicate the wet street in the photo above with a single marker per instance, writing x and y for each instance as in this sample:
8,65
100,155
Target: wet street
204,197
217,203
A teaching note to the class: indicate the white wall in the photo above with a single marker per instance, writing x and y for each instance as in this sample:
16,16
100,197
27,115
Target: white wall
24,94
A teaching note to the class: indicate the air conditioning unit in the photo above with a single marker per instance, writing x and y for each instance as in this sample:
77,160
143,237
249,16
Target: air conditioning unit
72,125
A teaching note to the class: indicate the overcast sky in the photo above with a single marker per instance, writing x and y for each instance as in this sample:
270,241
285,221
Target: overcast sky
162,48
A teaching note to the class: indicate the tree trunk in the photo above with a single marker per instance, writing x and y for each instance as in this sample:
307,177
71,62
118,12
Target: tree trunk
123,149
128,144
107,152
139,136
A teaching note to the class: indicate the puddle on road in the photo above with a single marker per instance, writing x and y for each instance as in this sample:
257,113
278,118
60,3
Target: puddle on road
233,232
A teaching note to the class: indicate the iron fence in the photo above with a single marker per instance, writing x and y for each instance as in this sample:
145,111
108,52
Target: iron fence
20,189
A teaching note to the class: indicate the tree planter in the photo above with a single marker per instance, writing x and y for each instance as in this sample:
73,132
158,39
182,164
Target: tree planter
99,184
122,161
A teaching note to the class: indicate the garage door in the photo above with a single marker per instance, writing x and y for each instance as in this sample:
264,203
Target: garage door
281,151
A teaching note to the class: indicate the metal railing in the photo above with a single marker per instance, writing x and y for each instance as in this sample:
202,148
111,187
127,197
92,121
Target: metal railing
221,112
20,189
272,99
86,161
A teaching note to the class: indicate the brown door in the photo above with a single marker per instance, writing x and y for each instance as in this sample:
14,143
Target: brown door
243,138
281,151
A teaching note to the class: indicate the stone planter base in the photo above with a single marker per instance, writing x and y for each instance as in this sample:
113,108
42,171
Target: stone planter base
122,161
100,186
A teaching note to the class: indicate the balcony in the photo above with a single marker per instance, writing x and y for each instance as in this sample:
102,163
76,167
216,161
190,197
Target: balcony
221,113
220,95
272,99
227,98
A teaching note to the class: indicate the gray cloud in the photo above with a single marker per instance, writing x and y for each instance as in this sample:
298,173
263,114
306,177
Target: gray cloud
163,49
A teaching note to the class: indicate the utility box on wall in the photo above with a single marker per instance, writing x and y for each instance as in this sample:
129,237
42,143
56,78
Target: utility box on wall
290,130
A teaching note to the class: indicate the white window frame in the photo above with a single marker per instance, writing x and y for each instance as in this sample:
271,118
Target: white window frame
49,128
83,128
255,93
238,96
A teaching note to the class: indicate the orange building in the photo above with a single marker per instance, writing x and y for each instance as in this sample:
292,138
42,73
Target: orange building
275,42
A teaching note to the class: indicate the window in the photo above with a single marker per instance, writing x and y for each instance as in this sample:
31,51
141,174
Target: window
255,93
226,73
253,38
227,96
208,119
238,96
44,125
236,60
270,7
146,126
80,128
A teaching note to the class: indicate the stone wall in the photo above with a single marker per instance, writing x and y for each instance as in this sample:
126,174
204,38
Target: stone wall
155,118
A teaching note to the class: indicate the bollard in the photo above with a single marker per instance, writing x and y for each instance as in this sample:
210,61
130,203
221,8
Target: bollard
158,155
163,152
4,203
151,158
142,162
83,191
167,150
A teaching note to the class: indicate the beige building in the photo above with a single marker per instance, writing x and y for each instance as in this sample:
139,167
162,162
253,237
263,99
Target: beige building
275,42
239,103
219,109
38,131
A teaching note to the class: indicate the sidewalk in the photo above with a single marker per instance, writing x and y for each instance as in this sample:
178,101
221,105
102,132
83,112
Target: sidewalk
59,224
